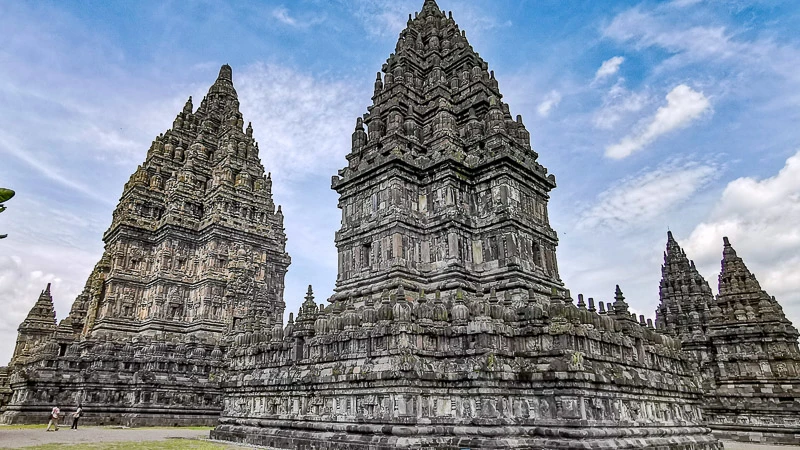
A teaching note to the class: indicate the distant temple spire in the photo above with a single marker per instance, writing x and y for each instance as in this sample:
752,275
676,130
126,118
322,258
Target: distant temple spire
38,326
683,293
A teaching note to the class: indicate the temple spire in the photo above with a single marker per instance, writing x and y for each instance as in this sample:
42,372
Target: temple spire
683,292
225,73
734,274
37,327
430,6
222,101
43,311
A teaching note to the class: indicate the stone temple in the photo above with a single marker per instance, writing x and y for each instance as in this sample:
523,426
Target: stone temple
449,326
196,250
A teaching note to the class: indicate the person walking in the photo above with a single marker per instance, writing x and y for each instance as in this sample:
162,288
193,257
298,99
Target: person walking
75,417
53,418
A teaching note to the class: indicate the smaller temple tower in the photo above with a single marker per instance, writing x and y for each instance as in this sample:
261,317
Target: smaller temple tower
37,327
757,360
744,347
684,311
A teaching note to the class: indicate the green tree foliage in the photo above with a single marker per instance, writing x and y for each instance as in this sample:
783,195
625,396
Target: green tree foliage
5,194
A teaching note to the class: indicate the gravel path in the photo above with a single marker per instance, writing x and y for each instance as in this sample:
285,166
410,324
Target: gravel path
11,438
729,445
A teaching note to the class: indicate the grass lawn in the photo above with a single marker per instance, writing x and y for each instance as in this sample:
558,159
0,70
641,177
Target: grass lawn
169,444
24,427
43,426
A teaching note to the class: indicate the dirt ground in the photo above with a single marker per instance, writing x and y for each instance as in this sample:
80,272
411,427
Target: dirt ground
11,437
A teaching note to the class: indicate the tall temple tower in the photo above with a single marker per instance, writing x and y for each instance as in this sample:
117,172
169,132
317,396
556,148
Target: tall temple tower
196,243
195,250
443,190
449,326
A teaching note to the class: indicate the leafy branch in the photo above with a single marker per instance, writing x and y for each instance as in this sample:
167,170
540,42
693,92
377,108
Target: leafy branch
5,195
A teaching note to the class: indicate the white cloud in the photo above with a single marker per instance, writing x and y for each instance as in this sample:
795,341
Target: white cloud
609,67
617,103
26,266
551,100
303,123
646,30
383,19
684,3
760,217
638,200
282,15
683,106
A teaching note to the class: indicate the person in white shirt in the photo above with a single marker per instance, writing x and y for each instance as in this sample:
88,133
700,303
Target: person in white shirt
53,418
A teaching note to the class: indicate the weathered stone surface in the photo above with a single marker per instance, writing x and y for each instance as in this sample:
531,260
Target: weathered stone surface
449,326
196,249
744,347
5,388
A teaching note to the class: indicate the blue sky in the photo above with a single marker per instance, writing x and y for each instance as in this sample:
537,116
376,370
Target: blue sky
676,115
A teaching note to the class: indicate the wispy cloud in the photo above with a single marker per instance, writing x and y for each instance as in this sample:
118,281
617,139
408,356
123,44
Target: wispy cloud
303,122
636,201
608,68
617,103
281,13
692,43
551,100
16,149
382,19
684,105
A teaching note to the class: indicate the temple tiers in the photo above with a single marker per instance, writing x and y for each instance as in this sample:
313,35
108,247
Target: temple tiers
449,326
196,249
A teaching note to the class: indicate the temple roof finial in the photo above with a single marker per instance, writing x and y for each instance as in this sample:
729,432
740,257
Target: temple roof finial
225,73
728,252
430,4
